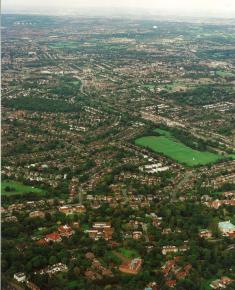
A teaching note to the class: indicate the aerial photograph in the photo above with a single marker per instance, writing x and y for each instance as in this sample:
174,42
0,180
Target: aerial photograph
117,144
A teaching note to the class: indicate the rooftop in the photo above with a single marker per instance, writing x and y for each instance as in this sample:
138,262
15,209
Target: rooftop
226,225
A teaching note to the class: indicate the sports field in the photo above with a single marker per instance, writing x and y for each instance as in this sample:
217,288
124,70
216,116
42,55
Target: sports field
10,187
177,150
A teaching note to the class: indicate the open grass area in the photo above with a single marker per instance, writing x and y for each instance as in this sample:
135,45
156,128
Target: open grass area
128,253
176,150
216,193
10,187
73,284
63,44
207,283
149,86
222,74
231,156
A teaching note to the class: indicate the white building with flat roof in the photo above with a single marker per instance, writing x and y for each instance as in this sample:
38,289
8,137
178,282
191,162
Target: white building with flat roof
20,277
226,228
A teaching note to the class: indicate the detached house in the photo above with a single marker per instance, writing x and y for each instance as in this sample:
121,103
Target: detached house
37,213
65,231
137,235
20,277
205,234
71,209
53,237
169,249
226,228
100,230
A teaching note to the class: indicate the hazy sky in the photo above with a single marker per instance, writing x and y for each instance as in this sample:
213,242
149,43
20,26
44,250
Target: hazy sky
218,7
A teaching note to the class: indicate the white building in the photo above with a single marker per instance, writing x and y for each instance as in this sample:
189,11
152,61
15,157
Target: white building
20,277
226,228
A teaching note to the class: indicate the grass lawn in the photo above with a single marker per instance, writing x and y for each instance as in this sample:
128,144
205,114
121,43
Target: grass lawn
128,253
177,150
76,83
232,156
217,193
61,44
149,86
73,284
222,73
207,283
85,227
16,188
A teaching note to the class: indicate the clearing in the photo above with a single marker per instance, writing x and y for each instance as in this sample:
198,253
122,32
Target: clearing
176,150
10,187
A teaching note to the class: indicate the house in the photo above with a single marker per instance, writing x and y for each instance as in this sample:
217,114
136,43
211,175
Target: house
59,267
171,283
93,234
221,283
21,247
71,209
214,204
169,266
37,213
102,225
107,232
20,277
166,231
100,230
12,219
65,231
16,206
97,234
205,234
184,272
100,268
153,168
53,237
226,281
216,284
41,242
137,235
2,210
226,228
183,248
156,221
76,225
229,194
152,286
89,256
169,249
91,275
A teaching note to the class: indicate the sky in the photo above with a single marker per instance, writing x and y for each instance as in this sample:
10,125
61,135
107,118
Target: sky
181,7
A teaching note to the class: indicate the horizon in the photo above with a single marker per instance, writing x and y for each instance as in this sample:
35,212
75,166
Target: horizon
180,8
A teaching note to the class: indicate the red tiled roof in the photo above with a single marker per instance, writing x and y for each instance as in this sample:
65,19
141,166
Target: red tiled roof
41,242
171,283
53,236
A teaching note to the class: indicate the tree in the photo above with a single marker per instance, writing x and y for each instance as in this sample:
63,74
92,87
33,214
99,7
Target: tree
53,260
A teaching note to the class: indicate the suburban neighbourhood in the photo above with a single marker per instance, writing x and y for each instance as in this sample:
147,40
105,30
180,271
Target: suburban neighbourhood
118,153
